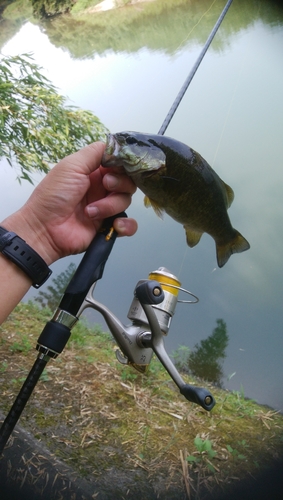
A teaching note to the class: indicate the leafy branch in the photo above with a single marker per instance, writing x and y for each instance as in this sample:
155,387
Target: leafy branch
37,128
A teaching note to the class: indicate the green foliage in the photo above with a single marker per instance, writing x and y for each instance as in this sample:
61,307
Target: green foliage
37,128
205,359
3,5
81,5
158,25
205,453
3,367
204,446
235,453
128,375
44,376
12,17
17,9
52,297
241,393
152,25
23,346
181,358
84,335
49,8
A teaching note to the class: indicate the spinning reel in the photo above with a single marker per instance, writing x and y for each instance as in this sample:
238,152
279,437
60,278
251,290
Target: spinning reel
151,312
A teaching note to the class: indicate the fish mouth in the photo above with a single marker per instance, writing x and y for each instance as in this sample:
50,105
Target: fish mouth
110,156
118,154
112,145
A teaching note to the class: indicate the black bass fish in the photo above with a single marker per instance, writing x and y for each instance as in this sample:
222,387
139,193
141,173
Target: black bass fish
177,180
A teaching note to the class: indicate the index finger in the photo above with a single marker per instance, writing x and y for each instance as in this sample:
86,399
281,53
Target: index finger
87,159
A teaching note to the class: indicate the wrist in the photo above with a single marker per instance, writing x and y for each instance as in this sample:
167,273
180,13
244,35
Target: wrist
31,233
17,251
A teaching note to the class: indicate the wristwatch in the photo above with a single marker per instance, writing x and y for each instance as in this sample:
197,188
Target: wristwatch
19,252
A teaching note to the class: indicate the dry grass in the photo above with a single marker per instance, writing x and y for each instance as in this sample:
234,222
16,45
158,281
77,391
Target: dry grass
97,415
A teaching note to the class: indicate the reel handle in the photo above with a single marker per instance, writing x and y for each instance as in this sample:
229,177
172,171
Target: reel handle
149,292
194,394
198,395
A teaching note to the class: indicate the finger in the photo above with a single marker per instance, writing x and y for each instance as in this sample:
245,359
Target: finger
125,227
86,160
119,183
113,204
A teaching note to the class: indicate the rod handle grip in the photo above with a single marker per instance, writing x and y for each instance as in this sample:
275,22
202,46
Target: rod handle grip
91,267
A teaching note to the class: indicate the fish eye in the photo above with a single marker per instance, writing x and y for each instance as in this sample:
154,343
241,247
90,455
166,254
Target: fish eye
131,140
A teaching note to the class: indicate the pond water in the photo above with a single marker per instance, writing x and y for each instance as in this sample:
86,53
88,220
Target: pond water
232,114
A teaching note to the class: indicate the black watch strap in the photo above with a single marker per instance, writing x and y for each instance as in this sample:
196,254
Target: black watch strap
19,252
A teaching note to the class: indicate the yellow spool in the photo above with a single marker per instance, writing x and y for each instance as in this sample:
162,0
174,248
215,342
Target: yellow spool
166,279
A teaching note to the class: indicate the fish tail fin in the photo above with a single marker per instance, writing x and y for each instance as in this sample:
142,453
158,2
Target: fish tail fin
237,245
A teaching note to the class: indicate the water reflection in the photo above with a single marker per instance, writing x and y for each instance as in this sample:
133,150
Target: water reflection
154,28
206,358
232,114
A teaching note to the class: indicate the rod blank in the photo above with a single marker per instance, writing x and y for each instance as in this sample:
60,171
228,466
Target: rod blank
187,82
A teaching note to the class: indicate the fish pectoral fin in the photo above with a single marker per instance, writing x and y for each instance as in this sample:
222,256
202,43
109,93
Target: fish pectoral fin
151,203
193,237
229,193
237,245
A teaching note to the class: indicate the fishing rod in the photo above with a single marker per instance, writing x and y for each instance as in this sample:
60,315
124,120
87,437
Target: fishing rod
188,80
57,331
151,310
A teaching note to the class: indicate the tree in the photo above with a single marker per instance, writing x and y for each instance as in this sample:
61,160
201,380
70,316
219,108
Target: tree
52,298
37,128
205,360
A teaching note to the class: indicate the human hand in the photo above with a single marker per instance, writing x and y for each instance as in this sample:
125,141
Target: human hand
67,208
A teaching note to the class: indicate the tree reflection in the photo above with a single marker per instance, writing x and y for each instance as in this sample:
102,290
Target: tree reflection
52,296
159,25
205,360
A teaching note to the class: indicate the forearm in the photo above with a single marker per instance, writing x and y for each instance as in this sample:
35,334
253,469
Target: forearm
14,281
14,285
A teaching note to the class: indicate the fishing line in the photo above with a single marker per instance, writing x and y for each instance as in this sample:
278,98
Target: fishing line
194,27
187,82
183,261
227,114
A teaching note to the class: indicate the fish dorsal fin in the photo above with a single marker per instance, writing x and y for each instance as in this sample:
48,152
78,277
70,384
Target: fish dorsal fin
150,203
229,193
193,237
